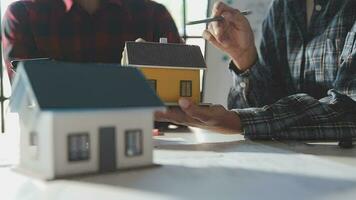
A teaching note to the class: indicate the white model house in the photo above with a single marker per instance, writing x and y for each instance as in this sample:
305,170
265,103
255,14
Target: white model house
82,118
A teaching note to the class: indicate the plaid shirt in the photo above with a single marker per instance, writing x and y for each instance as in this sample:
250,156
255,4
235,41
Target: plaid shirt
62,30
304,85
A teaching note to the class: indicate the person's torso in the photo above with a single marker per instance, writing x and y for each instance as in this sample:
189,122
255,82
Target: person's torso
75,35
313,53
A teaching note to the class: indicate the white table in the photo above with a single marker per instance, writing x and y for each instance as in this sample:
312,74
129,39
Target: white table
205,165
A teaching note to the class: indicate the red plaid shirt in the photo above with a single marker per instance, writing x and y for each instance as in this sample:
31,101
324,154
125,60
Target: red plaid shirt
62,30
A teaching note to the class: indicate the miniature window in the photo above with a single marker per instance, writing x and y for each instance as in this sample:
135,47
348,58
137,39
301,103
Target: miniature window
33,139
185,88
153,84
78,147
33,148
133,146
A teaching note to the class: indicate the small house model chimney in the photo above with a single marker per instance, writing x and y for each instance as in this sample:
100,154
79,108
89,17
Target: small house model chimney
163,40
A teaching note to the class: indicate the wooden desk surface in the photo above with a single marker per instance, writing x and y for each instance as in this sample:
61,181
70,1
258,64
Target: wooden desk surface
205,165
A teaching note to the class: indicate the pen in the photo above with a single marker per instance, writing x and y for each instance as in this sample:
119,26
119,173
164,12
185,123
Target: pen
218,18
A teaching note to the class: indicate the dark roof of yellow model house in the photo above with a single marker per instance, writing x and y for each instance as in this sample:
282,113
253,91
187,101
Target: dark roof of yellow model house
164,54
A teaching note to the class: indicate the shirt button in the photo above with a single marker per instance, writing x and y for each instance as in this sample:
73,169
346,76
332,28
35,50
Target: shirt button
318,7
243,84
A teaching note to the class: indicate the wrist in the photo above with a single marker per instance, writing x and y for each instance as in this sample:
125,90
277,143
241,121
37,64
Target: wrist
233,121
245,60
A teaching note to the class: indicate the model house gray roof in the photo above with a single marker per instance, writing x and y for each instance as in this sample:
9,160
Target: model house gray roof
60,85
161,54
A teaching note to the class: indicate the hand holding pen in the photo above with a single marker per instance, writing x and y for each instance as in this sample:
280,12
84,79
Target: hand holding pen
217,18
233,35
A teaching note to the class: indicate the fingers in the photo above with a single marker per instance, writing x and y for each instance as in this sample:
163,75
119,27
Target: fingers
234,18
207,35
217,28
176,116
230,14
200,113
215,118
221,30
220,7
171,115
161,116
191,114
216,34
211,29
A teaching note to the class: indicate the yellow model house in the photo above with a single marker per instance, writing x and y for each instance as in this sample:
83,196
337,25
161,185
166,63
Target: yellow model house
172,70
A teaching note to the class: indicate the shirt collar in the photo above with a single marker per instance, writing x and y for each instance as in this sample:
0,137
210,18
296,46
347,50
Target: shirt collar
69,3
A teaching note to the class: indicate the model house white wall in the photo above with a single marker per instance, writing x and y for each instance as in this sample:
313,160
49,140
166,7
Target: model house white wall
24,101
35,127
37,153
49,157
66,123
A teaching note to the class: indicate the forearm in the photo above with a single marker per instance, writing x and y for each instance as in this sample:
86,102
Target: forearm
301,116
321,132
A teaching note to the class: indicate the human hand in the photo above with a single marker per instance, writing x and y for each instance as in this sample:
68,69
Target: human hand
232,35
215,118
